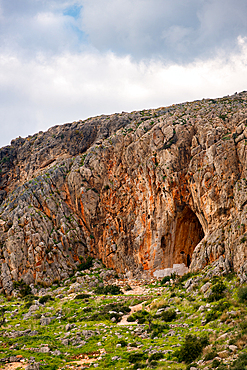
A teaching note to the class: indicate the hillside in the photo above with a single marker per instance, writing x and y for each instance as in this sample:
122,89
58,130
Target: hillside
96,319
149,193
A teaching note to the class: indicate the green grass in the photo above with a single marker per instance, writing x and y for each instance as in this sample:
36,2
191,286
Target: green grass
160,341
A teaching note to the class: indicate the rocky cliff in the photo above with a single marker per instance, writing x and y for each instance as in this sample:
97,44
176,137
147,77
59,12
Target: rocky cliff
148,192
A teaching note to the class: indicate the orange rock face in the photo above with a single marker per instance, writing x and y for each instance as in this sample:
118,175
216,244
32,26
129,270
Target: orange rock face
144,191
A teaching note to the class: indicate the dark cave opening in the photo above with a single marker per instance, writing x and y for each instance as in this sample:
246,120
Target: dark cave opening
185,233
188,260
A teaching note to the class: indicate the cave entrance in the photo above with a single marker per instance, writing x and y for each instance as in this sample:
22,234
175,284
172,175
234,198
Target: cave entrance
184,235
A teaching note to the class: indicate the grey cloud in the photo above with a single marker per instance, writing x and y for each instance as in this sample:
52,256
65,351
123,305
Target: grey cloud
175,30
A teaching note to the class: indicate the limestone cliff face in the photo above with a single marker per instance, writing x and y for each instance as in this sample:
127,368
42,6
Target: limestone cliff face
143,191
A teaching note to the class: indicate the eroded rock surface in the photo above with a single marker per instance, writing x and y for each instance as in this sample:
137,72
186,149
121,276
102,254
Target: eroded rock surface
143,191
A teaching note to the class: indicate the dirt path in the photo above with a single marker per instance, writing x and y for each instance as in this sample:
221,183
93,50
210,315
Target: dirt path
84,359
137,307
14,366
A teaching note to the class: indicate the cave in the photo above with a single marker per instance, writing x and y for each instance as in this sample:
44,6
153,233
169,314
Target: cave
184,235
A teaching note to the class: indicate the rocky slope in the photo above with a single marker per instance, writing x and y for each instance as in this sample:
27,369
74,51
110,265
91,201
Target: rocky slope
197,321
148,192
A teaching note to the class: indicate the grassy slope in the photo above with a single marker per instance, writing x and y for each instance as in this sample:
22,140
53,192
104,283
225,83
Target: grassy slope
227,315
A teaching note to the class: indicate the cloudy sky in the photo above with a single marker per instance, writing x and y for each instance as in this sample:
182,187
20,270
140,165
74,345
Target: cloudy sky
64,60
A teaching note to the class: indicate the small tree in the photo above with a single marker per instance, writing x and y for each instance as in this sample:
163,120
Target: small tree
2,318
191,348
242,294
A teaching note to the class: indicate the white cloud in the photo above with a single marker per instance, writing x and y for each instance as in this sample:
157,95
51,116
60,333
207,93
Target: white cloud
45,92
62,60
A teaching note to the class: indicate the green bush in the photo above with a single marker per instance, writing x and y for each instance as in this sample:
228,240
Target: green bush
23,288
222,366
105,315
156,329
82,296
29,297
141,317
191,348
155,357
218,289
165,280
153,364
212,315
240,363
217,310
168,315
45,299
139,366
191,365
210,356
86,264
109,289
186,276
242,294
136,357
28,304
243,326
215,363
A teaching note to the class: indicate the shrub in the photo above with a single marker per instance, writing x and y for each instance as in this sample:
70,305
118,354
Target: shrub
155,357
222,366
165,280
210,356
153,364
156,329
45,299
215,363
243,326
212,315
191,348
217,290
23,288
139,366
217,310
186,276
86,264
28,304
82,296
242,294
136,357
168,315
240,363
123,343
219,287
131,318
105,314
109,289
29,297
141,317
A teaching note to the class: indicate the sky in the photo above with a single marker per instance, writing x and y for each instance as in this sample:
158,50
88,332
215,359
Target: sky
65,60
